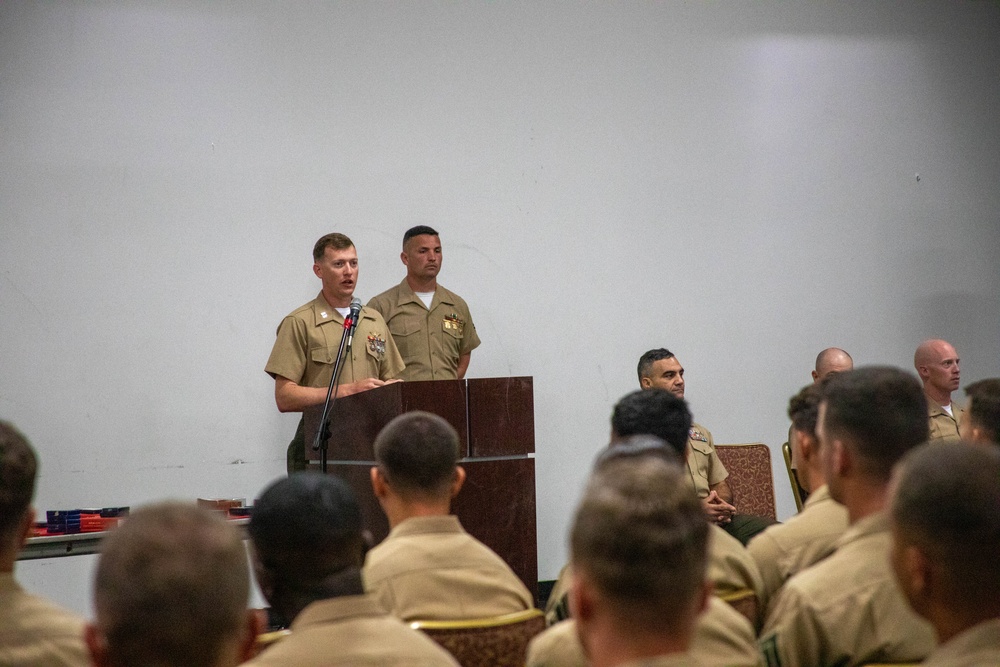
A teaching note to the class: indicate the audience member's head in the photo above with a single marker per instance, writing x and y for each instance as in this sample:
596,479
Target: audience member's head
638,543
18,467
803,410
171,589
308,543
937,364
831,360
638,446
868,419
653,412
660,368
945,513
417,455
981,420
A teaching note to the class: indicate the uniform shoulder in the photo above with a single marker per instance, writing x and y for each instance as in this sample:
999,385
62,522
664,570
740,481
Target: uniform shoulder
699,433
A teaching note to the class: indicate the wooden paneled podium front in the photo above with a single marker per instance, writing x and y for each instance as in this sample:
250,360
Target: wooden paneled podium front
495,421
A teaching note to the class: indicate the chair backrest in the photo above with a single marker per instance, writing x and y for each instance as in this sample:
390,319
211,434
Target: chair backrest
501,641
750,478
797,490
746,603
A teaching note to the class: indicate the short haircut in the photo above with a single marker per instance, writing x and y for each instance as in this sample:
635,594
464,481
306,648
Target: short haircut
419,230
417,453
653,412
881,411
171,588
18,469
649,358
947,502
334,240
306,527
984,406
640,535
803,408
636,446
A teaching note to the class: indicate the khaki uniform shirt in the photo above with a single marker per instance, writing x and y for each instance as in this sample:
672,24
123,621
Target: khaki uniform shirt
977,646
36,632
352,630
730,569
944,427
705,470
430,339
308,339
721,637
847,609
430,569
807,538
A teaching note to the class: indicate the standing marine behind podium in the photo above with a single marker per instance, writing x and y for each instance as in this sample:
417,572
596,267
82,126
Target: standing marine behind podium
432,326
429,568
33,631
305,351
937,364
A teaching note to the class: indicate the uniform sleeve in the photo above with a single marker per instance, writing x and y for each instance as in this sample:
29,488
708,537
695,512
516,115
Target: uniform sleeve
392,362
792,635
288,356
766,553
379,304
470,339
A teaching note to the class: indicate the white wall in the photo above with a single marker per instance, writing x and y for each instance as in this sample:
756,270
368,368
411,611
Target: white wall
735,181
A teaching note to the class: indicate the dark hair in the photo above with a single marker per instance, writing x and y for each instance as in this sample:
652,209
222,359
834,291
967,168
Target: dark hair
18,468
947,501
335,241
171,587
803,407
417,453
640,535
881,411
306,527
653,412
637,446
649,358
419,230
984,406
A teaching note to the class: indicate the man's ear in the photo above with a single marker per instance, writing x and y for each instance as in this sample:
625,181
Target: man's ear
27,521
456,484
379,485
841,457
815,376
97,645
404,259
807,447
645,382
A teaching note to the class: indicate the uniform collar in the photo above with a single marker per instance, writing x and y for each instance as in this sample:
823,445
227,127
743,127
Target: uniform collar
407,295
822,494
323,312
334,610
424,525
874,524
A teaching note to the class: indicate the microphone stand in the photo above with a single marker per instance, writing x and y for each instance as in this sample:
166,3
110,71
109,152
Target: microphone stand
322,442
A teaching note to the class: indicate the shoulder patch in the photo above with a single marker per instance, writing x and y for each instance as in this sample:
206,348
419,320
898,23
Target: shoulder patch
695,434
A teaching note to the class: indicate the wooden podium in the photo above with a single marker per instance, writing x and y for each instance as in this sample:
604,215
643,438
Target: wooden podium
495,421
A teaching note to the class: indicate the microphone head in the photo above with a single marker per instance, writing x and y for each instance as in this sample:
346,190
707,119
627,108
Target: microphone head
355,305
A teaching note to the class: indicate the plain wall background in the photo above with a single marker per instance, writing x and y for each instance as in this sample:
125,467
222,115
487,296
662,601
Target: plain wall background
735,181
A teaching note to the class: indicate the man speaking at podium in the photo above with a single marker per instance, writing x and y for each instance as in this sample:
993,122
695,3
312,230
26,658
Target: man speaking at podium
305,352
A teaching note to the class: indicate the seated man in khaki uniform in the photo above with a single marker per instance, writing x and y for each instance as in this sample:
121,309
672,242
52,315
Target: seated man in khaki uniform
429,568
847,609
33,631
171,590
785,549
639,548
432,326
660,369
305,350
661,414
307,549
937,364
721,635
980,421
946,537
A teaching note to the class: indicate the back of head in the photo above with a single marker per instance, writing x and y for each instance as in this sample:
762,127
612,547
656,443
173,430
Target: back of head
946,501
803,408
637,446
171,587
417,453
832,360
419,230
640,536
18,467
879,411
984,407
653,412
305,528
334,240
649,358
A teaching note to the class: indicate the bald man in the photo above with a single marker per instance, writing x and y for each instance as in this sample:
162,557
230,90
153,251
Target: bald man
980,421
937,365
831,360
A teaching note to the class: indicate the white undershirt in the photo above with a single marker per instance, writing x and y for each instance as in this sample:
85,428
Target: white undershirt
426,297
947,408
344,312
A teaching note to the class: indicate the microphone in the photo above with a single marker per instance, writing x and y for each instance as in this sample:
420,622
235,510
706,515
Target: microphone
353,318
